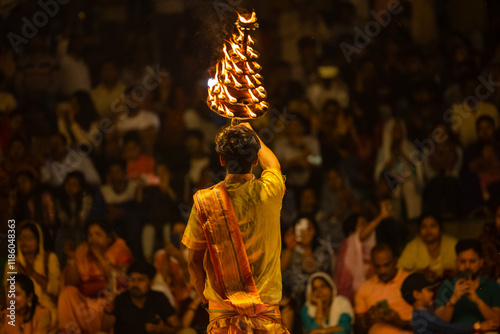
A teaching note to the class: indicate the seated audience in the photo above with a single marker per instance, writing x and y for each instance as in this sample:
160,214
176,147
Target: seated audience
476,164
338,201
109,89
140,309
431,252
354,263
120,196
305,253
75,205
197,158
298,152
63,161
17,159
160,202
134,118
29,202
469,297
485,132
443,159
417,291
379,307
40,266
30,316
490,241
487,169
394,165
77,120
140,166
95,267
466,113
325,312
171,266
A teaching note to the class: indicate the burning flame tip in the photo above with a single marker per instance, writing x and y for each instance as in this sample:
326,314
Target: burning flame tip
247,18
237,91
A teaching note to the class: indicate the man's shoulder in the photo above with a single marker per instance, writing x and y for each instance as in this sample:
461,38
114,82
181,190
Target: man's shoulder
488,283
203,191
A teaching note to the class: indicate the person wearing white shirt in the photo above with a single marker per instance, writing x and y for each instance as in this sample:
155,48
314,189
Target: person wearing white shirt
65,161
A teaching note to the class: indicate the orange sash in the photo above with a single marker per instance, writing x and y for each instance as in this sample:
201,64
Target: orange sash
227,250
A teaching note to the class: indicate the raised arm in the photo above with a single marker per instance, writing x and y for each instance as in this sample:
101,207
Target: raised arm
267,159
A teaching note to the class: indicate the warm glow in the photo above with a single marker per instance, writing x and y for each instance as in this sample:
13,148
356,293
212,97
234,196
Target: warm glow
247,18
236,90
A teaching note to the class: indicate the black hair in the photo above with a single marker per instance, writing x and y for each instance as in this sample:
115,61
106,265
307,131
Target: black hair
315,241
116,162
87,113
104,225
198,134
142,267
433,216
238,146
381,248
76,174
469,244
132,136
349,224
27,173
486,118
19,139
302,120
28,287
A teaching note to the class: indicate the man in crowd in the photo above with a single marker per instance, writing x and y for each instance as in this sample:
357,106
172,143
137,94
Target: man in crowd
469,297
379,306
139,309
238,221
64,160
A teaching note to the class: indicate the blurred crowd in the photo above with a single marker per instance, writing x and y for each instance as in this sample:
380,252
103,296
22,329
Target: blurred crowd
384,117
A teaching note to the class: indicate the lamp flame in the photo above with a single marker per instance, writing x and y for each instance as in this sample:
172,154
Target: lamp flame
236,90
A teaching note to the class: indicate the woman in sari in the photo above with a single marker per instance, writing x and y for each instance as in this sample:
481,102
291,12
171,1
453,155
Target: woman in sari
324,311
30,316
94,270
305,253
40,266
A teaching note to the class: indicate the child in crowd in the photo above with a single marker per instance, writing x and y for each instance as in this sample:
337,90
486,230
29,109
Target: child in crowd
417,291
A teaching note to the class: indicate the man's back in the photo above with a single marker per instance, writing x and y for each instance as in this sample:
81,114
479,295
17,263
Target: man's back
257,206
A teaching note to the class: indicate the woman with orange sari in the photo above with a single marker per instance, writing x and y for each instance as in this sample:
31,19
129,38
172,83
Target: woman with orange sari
94,271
